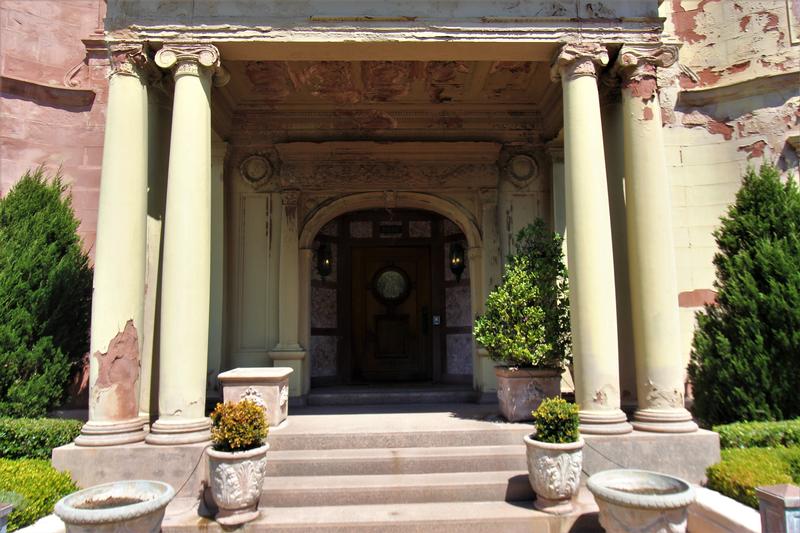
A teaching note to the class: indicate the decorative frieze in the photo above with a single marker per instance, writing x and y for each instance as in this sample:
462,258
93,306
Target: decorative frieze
579,59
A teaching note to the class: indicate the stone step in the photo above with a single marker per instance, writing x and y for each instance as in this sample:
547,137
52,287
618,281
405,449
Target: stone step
502,435
439,517
390,396
382,461
307,491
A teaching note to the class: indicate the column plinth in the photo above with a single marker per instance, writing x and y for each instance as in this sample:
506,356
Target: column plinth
186,272
651,252
590,253
119,272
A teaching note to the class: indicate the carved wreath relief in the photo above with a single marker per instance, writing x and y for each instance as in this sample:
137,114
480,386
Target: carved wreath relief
254,396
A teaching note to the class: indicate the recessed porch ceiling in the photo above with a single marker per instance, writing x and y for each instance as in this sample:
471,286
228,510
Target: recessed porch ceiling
394,95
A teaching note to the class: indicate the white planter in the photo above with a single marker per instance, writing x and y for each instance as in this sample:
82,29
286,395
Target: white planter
554,471
236,479
117,507
641,501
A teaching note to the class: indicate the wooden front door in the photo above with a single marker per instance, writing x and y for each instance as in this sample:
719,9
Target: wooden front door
391,299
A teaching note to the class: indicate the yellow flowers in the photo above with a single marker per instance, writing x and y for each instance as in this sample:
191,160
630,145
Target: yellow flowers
238,426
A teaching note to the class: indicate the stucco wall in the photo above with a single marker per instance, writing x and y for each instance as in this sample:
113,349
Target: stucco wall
52,97
736,104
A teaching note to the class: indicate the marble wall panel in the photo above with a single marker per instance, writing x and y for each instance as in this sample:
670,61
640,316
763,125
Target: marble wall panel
361,229
419,229
323,355
459,353
323,307
457,306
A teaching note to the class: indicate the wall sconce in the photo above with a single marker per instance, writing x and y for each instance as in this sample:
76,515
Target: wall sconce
324,260
457,260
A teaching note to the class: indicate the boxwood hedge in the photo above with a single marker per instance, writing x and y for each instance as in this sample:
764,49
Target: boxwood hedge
742,470
759,434
35,438
38,484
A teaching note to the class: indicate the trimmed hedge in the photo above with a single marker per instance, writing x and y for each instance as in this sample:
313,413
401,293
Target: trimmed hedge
40,486
742,470
35,438
759,434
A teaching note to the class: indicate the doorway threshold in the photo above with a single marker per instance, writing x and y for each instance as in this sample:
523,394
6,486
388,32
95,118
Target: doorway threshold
388,394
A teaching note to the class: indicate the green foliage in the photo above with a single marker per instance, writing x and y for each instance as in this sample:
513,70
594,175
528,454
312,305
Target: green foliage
35,438
742,470
238,426
556,421
759,434
40,486
526,321
746,348
45,295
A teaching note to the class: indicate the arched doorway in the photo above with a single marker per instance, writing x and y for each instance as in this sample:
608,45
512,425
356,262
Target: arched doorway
389,309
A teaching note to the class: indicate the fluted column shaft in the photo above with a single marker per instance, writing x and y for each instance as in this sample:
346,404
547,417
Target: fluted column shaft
651,252
119,270
590,253
186,275
288,352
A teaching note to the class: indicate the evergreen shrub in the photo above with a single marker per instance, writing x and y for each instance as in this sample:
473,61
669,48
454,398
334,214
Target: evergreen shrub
746,348
236,427
759,434
742,470
45,295
39,485
526,318
556,421
35,438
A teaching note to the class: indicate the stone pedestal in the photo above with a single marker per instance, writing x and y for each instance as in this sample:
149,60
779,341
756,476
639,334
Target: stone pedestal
779,506
269,385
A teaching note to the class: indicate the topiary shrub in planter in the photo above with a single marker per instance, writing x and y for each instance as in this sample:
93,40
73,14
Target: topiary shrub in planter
35,438
555,455
39,486
525,325
238,460
45,295
746,344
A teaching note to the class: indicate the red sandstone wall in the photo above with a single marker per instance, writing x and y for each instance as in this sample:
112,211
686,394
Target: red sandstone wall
53,95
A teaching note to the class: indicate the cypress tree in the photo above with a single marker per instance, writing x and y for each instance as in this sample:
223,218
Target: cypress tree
746,348
45,295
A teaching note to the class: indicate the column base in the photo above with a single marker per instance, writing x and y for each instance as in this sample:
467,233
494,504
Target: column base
291,357
605,422
179,432
664,421
112,433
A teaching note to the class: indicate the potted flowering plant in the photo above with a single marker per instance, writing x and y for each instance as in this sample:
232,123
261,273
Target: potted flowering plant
555,455
237,460
526,323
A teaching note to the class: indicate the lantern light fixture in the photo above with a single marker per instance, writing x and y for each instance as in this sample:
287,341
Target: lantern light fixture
457,264
324,260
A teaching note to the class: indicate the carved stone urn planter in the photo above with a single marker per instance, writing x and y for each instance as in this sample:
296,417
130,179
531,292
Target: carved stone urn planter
521,390
554,471
236,479
117,507
641,501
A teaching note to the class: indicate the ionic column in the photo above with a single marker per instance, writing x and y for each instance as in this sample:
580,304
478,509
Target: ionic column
119,271
186,274
288,351
654,292
590,257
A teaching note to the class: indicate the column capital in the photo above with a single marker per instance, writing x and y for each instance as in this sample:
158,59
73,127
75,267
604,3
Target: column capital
637,63
129,59
578,59
290,197
193,60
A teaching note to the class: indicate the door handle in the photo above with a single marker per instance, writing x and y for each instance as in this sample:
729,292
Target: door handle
425,319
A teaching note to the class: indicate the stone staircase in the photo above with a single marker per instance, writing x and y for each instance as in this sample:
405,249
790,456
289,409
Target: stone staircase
385,470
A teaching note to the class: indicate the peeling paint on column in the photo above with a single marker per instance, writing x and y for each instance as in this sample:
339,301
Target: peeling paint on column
647,114
118,374
663,398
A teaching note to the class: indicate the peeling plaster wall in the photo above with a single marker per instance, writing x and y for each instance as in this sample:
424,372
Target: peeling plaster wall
736,105
53,98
